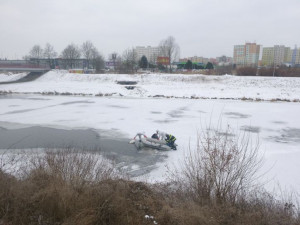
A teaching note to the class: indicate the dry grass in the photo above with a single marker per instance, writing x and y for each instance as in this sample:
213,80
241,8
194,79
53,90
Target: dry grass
67,187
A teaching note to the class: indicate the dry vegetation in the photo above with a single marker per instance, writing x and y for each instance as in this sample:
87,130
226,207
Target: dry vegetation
215,187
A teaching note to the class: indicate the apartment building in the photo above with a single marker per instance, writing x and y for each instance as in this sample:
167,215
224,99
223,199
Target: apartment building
295,56
195,59
246,55
224,60
150,52
277,55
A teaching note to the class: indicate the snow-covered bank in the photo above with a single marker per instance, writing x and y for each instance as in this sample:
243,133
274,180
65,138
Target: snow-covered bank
174,85
11,76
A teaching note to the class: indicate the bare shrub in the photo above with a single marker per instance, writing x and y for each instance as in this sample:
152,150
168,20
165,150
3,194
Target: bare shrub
11,162
280,72
222,168
77,168
222,70
246,71
49,194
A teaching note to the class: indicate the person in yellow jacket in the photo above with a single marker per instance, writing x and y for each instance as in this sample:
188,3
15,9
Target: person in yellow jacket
170,139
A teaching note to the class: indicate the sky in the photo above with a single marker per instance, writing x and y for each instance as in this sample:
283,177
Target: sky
208,28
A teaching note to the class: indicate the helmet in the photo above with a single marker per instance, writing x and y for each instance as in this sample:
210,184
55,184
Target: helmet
157,131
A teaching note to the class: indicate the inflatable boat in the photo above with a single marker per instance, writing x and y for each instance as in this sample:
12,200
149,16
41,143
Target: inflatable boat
142,141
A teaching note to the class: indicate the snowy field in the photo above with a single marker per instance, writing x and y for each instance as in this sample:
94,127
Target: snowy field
276,124
149,85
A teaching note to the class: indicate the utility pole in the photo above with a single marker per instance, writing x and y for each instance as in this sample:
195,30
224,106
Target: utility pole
114,56
274,62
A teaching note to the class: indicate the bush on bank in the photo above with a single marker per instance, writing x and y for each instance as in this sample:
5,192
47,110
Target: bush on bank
79,188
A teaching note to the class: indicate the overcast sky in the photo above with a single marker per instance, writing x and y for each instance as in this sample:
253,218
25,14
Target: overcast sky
207,28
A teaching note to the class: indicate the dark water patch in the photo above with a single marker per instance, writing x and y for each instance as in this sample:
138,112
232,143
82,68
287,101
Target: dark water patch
287,135
124,155
14,106
76,102
155,112
23,97
250,129
200,111
27,110
184,108
279,122
39,99
64,120
19,111
45,107
44,137
124,82
83,106
236,115
165,121
118,106
2,129
130,87
176,114
225,134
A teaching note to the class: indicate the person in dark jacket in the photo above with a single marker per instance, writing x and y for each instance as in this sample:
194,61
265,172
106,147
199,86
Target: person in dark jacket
155,136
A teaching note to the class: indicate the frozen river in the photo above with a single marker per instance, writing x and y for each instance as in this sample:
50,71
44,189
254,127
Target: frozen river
33,121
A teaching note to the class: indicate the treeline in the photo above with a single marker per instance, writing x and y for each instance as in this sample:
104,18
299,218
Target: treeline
276,72
253,71
71,54
127,62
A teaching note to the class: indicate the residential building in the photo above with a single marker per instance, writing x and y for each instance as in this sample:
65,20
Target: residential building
267,56
223,60
277,55
150,52
246,55
195,59
295,58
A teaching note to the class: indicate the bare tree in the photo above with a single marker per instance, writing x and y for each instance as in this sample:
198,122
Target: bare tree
36,53
88,51
169,48
97,60
71,53
49,53
129,59
222,169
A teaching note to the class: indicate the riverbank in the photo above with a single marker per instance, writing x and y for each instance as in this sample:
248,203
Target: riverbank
161,85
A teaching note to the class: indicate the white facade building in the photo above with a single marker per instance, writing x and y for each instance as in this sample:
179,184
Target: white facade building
150,52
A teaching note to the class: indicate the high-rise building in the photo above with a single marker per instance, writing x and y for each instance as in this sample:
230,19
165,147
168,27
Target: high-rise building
277,55
267,56
246,55
295,58
150,52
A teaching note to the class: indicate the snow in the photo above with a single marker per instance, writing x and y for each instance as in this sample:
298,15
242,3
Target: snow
11,76
175,85
276,124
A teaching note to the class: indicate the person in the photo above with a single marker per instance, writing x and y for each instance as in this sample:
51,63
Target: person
170,139
155,136
161,135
